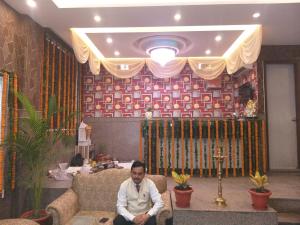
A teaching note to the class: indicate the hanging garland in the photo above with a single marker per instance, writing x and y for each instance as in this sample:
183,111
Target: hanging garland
15,130
169,145
191,148
200,149
233,147
264,148
173,146
226,147
157,147
165,148
3,126
242,147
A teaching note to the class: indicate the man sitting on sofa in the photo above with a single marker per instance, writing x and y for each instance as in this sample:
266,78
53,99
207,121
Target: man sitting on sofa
134,199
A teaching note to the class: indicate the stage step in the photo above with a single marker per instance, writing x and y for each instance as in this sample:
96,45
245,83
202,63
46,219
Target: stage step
285,205
288,219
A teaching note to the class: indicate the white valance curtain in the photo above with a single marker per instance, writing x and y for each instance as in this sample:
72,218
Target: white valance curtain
207,68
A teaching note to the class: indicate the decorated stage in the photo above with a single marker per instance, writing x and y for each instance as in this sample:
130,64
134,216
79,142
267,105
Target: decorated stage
284,205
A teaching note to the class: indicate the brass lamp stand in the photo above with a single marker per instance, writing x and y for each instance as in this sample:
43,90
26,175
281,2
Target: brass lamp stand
220,201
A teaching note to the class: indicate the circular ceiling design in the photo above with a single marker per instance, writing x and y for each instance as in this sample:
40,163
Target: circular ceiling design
146,44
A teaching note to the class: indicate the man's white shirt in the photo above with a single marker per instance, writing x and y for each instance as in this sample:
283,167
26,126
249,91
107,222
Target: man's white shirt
131,202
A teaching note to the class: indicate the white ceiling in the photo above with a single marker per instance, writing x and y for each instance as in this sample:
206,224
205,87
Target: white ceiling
280,24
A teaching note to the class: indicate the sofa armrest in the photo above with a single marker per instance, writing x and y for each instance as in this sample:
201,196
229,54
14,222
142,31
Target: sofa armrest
167,211
17,222
64,207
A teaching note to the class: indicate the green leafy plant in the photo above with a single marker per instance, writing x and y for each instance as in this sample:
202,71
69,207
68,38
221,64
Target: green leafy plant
259,182
181,180
35,145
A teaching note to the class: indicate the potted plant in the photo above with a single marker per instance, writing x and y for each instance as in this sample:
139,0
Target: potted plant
259,195
183,191
35,145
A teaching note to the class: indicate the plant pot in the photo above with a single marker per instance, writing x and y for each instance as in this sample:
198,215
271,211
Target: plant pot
183,197
43,220
260,200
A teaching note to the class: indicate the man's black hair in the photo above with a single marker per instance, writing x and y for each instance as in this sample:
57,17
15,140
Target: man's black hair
138,163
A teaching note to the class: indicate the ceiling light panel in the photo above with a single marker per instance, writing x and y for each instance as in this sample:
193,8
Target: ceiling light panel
135,3
31,3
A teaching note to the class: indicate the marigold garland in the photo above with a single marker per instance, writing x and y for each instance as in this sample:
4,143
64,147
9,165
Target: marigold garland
200,149
226,147
233,147
173,146
249,147
182,146
209,148
150,147
157,146
68,95
217,139
3,126
264,146
15,130
141,142
59,88
47,81
242,147
256,146
53,79
165,148
42,77
65,92
191,148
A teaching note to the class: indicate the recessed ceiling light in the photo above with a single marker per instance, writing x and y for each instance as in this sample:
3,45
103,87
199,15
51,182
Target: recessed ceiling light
218,38
109,40
177,16
207,52
97,18
31,3
256,15
117,53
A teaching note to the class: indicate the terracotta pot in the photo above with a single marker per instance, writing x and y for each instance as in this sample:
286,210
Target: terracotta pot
260,200
43,220
183,197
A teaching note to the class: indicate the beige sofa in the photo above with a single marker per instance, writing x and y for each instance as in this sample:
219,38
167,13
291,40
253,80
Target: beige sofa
17,222
94,196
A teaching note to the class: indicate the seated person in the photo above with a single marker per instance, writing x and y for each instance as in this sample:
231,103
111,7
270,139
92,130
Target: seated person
135,198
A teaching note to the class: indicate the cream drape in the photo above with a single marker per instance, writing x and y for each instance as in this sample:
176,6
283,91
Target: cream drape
210,68
113,66
171,69
246,53
94,64
81,49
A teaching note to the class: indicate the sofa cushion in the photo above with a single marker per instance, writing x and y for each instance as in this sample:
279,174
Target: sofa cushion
99,191
89,215
17,222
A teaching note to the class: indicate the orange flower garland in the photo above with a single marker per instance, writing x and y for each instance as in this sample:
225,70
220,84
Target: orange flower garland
242,147
233,147
65,92
208,148
191,148
226,147
173,146
200,148
165,148
15,130
157,146
42,77
3,126
256,146
47,81
141,142
59,87
182,146
53,79
249,148
149,147
264,146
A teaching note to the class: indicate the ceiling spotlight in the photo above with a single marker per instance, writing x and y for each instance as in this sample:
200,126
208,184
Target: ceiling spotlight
97,18
218,38
117,53
207,52
31,3
109,40
256,15
177,17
